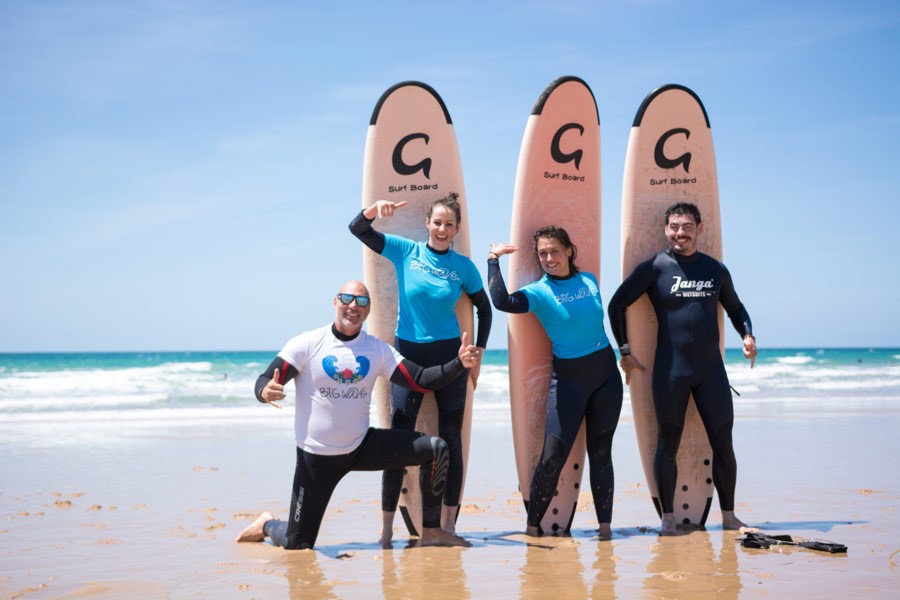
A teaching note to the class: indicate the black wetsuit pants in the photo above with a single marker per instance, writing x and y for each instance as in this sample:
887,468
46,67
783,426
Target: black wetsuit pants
317,475
588,388
712,395
451,404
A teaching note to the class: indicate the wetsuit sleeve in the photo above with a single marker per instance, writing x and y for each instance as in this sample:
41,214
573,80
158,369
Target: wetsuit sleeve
361,227
738,315
485,316
287,371
636,284
424,379
517,302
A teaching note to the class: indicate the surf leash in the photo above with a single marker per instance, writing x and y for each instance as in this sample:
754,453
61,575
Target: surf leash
763,541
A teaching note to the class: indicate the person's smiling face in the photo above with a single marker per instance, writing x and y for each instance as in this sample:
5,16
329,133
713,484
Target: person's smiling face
349,318
442,228
553,256
682,233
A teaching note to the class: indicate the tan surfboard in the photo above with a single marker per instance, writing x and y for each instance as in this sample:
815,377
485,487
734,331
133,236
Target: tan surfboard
558,183
670,158
411,155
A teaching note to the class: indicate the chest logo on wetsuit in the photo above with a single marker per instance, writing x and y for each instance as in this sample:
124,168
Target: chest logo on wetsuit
346,376
567,297
689,288
418,265
557,154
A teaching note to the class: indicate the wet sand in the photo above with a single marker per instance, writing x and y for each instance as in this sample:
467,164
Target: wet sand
152,513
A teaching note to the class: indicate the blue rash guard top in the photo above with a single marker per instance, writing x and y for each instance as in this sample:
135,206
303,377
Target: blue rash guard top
430,284
571,312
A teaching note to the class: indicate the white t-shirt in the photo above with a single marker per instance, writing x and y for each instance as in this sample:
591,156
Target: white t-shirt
334,387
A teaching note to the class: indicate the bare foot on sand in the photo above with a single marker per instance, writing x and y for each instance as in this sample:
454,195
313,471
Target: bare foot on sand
254,531
605,531
435,536
731,522
448,518
387,529
668,526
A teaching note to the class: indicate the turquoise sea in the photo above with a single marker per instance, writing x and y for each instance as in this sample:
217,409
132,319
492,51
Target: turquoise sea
71,397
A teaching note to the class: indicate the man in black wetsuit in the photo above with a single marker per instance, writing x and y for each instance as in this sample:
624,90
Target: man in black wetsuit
685,286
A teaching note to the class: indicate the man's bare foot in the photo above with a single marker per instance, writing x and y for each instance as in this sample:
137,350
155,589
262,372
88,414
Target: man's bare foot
731,522
668,526
448,518
254,531
435,536
605,531
532,531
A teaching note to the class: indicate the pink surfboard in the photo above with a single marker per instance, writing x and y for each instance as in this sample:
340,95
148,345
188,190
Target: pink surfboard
670,158
558,183
411,155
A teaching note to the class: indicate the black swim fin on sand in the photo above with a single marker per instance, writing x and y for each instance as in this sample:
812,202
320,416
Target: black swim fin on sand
761,540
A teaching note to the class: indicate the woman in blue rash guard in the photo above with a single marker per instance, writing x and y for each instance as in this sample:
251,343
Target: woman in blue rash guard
431,277
588,385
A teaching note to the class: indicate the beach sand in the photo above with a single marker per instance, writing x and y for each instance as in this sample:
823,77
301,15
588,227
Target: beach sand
152,513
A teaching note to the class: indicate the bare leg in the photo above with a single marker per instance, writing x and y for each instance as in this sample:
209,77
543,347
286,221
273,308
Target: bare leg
668,527
532,531
387,528
731,522
254,531
435,536
448,518
605,531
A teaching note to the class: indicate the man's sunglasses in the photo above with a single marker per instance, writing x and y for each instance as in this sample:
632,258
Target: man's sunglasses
361,301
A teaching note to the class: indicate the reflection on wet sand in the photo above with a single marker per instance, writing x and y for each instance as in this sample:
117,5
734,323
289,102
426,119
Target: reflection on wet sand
420,572
686,566
305,576
605,571
553,570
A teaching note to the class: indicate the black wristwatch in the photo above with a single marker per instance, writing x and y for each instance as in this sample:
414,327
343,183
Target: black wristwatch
625,349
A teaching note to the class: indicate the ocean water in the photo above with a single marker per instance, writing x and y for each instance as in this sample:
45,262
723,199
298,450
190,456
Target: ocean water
71,397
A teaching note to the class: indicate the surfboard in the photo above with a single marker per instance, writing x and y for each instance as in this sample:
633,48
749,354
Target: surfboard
411,155
670,158
558,183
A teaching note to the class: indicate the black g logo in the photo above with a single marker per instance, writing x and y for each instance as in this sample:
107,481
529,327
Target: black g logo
397,158
665,162
560,156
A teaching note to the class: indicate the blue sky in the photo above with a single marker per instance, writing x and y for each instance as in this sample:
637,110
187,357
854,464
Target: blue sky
179,175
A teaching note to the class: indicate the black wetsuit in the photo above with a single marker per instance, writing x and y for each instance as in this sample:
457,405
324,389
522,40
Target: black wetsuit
685,292
450,400
587,387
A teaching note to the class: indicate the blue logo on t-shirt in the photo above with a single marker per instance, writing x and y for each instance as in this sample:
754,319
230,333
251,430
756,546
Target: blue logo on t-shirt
443,273
346,376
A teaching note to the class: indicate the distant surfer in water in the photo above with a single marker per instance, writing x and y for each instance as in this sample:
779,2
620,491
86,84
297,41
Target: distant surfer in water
685,287
335,368
431,277
588,385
